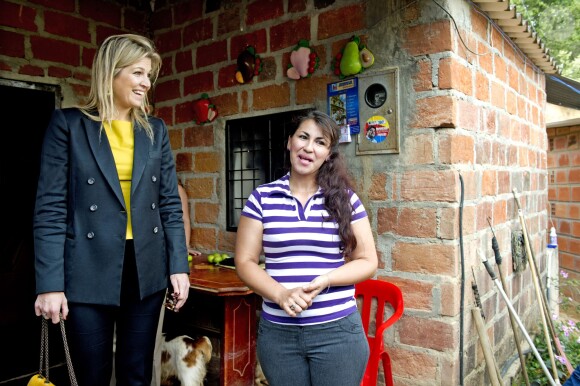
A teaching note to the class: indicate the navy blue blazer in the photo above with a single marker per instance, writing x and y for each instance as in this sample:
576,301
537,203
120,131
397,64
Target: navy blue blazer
80,218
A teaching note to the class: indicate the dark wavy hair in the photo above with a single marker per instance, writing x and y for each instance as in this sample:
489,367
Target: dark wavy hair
333,178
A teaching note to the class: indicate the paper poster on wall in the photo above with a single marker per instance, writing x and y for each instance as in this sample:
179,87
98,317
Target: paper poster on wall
343,106
376,129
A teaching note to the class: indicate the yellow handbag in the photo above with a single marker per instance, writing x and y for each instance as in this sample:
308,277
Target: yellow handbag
42,379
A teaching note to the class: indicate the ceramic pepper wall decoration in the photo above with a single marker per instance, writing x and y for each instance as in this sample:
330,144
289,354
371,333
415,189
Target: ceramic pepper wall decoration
353,59
204,111
303,61
249,65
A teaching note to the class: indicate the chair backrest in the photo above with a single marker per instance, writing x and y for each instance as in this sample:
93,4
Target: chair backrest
384,292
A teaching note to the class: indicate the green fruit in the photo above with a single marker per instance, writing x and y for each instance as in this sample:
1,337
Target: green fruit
211,258
218,259
350,64
225,256
189,257
367,58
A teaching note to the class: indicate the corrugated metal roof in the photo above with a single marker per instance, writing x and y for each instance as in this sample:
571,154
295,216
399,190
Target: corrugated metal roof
520,32
562,91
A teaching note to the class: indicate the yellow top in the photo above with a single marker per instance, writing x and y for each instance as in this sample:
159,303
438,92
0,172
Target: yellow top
122,141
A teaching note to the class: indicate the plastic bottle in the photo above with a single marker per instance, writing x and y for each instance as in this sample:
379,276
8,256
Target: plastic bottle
553,238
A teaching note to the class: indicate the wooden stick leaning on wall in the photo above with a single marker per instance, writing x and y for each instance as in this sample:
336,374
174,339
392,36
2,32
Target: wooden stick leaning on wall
498,260
478,316
536,280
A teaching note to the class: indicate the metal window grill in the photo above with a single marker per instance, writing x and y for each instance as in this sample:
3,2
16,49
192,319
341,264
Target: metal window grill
255,155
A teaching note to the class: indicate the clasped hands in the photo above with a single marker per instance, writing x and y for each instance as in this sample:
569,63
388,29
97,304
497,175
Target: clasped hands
296,300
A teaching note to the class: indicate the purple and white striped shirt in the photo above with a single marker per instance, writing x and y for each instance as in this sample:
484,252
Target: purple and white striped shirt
299,246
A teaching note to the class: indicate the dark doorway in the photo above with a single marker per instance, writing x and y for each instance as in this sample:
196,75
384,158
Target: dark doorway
19,168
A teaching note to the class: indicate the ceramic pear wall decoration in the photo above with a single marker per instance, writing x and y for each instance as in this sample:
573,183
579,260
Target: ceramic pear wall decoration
203,110
303,61
353,59
249,65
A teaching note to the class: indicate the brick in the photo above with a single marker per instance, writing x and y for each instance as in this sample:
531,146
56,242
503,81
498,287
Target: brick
226,241
497,95
198,31
341,21
134,20
204,238
378,191
417,222
432,185
450,299
167,90
263,10
12,44
28,69
168,41
212,53
481,87
387,220
438,111
563,193
198,136
207,162
449,223
419,150
198,83
106,12
176,139
423,79
183,113
258,39
55,50
227,104
200,188
186,11
229,20
17,16
432,38
313,89
499,212
271,96
483,210
58,72
227,76
455,75
428,258
67,26
489,183
183,162
296,5
183,61
61,5
206,213
161,19
428,333
417,294
456,149
406,362
288,34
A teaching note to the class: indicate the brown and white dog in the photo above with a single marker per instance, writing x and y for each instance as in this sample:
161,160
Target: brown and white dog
185,359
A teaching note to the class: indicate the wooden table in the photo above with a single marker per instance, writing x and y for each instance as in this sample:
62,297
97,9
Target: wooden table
237,330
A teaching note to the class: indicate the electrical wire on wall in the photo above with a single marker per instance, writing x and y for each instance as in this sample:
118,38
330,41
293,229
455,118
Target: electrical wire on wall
461,307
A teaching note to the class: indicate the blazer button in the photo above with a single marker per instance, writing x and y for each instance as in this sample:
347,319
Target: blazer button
90,235
91,181
93,207
155,230
153,206
153,179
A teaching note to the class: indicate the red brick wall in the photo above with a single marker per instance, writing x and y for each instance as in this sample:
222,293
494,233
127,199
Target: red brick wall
564,194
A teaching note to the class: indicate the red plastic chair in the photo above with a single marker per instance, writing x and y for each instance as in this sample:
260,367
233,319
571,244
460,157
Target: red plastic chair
383,292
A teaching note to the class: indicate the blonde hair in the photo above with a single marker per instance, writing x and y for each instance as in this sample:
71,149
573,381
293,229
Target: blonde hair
114,54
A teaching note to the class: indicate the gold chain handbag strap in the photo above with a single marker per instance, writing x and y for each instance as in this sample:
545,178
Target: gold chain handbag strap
44,352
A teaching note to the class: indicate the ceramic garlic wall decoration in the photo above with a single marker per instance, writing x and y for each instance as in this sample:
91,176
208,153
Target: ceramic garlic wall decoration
303,61
204,111
353,59
249,65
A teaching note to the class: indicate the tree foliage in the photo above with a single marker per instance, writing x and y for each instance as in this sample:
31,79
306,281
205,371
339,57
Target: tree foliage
557,23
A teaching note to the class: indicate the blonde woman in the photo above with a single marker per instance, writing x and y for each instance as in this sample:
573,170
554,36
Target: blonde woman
108,226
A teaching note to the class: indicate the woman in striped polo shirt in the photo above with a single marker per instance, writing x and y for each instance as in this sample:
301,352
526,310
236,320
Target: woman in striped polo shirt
317,241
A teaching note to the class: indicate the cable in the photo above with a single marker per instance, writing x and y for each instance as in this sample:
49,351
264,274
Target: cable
461,307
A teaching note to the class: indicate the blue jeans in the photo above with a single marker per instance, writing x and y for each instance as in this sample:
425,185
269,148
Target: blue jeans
328,354
574,379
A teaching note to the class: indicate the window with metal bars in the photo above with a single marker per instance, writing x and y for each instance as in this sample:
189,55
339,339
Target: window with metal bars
255,154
